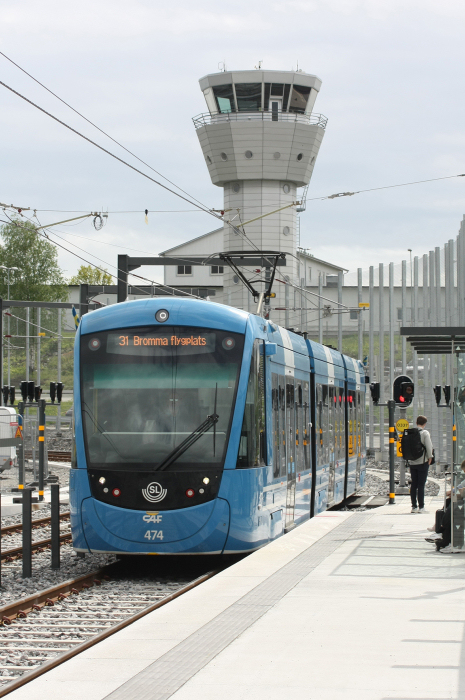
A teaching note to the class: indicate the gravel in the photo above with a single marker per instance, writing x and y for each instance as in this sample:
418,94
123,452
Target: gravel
42,512
13,586
28,642
378,484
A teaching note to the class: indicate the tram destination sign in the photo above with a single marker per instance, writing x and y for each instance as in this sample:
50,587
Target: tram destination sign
149,343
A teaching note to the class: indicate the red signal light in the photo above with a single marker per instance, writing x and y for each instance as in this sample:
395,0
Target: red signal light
116,493
190,493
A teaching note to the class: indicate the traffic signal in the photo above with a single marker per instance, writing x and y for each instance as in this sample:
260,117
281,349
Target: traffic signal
23,389
53,391
59,391
447,394
12,395
31,391
407,390
437,393
5,392
402,390
37,392
375,391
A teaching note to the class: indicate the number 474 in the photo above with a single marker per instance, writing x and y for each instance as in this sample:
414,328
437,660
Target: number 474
154,535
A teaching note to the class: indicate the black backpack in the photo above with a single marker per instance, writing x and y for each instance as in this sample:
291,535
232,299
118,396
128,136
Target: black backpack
411,444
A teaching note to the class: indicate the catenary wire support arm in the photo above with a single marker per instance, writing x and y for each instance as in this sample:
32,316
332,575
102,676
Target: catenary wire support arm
262,216
272,258
85,216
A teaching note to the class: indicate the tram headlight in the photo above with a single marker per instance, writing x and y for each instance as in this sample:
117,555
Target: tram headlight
162,315
102,480
206,480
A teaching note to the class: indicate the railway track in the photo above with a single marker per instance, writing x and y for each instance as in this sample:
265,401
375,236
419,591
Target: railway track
53,455
12,553
38,522
59,456
42,631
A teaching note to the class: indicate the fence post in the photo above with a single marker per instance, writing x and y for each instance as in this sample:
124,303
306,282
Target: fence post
55,524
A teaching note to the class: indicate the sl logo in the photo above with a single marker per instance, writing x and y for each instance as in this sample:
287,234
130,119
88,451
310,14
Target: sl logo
154,492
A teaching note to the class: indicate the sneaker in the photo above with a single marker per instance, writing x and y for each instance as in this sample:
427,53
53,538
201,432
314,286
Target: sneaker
433,538
414,510
431,529
445,550
422,510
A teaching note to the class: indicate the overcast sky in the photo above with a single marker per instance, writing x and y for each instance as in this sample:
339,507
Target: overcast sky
393,92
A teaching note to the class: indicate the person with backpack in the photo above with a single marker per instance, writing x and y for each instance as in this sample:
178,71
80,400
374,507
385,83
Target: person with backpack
417,450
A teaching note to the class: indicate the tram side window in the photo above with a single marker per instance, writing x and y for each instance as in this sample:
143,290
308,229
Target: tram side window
252,443
342,431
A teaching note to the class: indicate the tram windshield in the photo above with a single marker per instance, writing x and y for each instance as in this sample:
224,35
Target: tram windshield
144,391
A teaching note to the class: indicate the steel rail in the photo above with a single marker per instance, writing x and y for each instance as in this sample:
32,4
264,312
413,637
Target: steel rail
20,608
65,656
35,546
40,522
54,455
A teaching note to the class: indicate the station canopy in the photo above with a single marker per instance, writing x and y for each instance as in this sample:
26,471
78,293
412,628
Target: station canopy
437,340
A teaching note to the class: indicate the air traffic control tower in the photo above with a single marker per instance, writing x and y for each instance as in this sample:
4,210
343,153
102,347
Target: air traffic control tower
260,140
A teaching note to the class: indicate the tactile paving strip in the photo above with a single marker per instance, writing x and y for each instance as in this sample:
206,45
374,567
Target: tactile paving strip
172,670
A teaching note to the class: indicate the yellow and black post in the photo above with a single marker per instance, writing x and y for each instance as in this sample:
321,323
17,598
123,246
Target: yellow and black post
20,448
41,404
391,408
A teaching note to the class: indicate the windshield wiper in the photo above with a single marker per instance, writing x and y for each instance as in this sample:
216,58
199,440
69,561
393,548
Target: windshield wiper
189,441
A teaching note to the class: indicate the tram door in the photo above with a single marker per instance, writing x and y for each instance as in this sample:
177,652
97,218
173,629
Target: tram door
290,453
358,428
333,437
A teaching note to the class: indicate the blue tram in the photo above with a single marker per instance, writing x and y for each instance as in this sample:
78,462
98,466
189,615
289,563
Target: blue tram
204,429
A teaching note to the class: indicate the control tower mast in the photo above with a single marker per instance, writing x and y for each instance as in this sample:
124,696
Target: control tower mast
260,140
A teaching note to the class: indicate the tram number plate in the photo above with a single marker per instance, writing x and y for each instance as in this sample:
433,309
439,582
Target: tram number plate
154,535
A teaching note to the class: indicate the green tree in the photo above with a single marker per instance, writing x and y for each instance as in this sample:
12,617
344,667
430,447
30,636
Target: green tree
39,277
87,274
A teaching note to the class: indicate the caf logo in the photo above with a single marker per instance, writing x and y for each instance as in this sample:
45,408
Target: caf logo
154,492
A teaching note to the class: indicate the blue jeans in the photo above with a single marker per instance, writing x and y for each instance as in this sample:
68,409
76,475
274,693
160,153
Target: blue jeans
419,473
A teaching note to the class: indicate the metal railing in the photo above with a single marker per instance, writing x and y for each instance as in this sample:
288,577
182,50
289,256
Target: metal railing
207,118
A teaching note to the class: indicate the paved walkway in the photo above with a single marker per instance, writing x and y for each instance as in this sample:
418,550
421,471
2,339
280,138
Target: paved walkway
347,606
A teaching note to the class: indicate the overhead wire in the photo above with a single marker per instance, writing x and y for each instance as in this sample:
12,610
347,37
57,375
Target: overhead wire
99,129
89,262
113,155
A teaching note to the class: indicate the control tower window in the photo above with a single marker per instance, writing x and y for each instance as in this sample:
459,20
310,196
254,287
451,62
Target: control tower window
249,97
299,99
287,90
277,89
224,98
273,90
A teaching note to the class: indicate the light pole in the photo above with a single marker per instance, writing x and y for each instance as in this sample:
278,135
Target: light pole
8,276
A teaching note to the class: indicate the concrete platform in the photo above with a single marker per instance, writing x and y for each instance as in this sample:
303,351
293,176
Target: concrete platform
347,606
